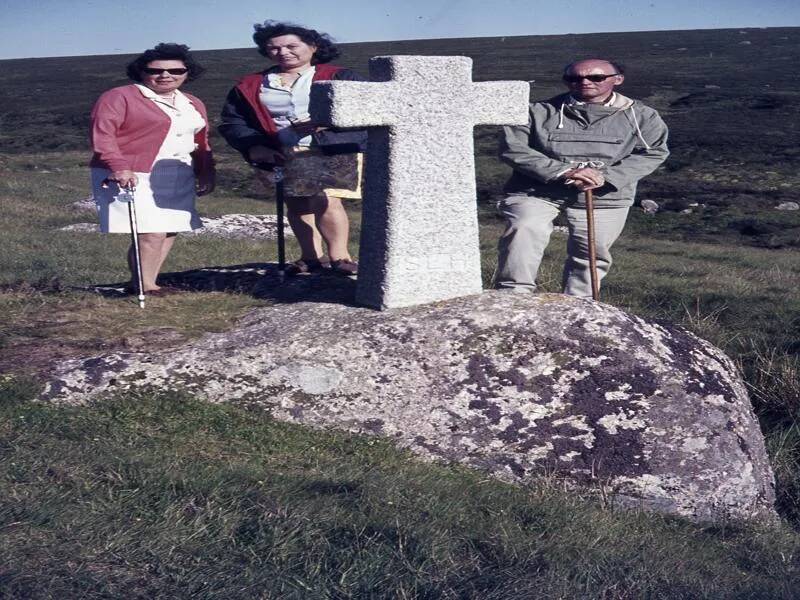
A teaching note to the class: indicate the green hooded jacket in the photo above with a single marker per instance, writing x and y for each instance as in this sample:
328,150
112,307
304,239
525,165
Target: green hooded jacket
626,140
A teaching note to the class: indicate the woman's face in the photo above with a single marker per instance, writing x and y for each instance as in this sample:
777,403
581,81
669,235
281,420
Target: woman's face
164,76
289,51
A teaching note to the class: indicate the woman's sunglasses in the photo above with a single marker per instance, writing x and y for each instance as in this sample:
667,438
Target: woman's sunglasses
593,78
151,71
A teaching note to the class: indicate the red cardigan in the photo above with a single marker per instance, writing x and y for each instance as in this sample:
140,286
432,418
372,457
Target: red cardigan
127,131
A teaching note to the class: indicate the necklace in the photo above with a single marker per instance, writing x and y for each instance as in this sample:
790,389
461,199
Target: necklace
288,79
170,99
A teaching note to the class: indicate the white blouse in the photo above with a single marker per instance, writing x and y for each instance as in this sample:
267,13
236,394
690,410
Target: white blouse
287,104
185,122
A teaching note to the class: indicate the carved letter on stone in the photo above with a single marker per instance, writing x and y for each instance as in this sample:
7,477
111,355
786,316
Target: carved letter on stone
419,233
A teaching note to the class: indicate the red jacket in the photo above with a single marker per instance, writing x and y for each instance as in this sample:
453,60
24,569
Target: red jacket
250,85
246,122
127,131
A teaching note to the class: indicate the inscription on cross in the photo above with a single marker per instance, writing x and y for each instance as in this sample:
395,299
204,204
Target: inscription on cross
419,230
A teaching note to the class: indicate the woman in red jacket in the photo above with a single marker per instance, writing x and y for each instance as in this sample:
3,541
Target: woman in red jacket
266,119
152,139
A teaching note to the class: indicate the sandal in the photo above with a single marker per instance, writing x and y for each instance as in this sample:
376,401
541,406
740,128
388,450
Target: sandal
345,266
305,267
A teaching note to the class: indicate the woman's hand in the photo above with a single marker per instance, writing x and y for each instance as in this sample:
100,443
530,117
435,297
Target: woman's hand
263,155
305,127
584,179
124,179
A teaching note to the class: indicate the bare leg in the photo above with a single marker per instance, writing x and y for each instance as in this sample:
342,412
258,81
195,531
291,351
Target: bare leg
166,246
150,250
333,224
302,221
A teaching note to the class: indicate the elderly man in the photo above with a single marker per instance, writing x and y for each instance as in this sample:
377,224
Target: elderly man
589,138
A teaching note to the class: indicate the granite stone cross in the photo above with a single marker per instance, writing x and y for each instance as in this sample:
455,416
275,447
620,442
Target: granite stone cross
419,229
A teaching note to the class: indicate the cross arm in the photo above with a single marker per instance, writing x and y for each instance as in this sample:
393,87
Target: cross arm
352,103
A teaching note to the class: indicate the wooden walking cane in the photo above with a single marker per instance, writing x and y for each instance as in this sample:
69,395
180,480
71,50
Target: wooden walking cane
589,198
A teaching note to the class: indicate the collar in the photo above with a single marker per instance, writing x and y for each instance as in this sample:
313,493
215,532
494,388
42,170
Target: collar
575,102
180,97
273,72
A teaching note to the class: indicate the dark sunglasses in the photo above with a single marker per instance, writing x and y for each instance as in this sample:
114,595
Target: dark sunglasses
151,71
592,78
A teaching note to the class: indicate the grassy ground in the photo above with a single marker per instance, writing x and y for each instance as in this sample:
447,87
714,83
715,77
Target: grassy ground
167,497
164,496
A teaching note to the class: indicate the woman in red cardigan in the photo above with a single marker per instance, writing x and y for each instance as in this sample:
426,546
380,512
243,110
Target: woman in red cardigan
152,139
266,119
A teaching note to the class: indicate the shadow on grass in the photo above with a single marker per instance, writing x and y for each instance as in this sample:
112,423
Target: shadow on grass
260,280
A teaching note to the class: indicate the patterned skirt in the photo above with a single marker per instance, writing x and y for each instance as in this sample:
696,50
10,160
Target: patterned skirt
309,172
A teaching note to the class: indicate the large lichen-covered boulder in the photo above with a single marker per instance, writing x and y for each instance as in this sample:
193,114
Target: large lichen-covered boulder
513,384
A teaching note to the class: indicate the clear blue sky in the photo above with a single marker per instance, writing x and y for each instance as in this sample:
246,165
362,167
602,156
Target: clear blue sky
30,28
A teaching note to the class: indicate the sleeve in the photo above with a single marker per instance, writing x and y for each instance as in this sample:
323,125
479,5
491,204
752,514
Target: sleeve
239,126
106,120
347,75
642,160
516,151
202,155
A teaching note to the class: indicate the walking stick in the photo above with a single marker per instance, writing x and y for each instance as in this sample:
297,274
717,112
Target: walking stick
277,176
589,198
126,195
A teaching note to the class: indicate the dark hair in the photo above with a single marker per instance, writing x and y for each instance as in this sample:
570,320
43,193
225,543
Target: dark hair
164,52
326,48
618,66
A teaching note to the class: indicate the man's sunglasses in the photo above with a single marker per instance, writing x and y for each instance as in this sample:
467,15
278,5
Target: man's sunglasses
593,78
151,71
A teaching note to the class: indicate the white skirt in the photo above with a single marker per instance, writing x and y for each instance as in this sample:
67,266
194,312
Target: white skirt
165,200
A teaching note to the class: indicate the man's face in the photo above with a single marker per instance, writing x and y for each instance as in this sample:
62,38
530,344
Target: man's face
586,90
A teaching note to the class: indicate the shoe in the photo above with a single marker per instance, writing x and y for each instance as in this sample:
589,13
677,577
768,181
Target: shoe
164,290
306,267
344,266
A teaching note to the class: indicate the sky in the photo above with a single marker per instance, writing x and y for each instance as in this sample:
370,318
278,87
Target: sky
38,28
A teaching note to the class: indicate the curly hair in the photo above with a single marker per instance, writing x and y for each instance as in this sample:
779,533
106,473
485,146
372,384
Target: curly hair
164,51
326,48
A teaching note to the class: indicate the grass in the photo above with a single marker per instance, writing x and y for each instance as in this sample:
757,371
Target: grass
157,495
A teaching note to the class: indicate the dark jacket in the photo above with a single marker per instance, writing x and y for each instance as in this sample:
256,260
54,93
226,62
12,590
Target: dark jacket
628,138
246,123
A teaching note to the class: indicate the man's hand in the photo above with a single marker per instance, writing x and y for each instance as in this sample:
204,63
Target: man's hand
266,155
585,178
125,178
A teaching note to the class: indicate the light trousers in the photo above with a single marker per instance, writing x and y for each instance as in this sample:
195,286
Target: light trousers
529,223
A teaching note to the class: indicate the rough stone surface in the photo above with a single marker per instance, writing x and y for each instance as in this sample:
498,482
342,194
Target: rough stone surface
262,227
85,205
649,206
419,234
514,384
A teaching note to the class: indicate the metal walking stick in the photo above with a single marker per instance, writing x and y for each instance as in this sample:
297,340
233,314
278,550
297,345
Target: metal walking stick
126,195
277,176
589,198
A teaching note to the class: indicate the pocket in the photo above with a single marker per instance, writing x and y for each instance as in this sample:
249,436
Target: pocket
588,137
